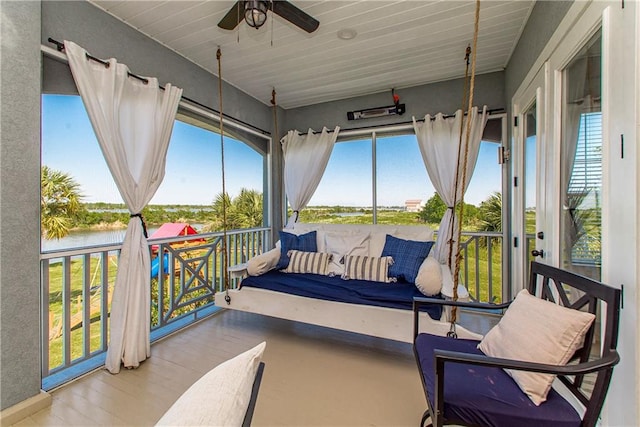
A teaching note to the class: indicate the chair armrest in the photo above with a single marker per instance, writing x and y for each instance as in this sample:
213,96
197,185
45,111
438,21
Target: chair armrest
442,356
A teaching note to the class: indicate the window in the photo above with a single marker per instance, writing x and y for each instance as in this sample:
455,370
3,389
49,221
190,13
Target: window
192,181
581,167
344,193
400,190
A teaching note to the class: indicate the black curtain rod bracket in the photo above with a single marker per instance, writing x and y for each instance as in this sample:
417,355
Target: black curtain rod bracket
60,48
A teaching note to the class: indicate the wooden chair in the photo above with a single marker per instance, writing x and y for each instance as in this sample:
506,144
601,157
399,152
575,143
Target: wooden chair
465,387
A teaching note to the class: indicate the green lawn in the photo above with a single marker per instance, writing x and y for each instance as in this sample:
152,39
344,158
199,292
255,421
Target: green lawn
479,290
359,216
76,298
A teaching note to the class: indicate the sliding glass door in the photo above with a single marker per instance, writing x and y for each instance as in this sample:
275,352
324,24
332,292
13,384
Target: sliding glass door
581,162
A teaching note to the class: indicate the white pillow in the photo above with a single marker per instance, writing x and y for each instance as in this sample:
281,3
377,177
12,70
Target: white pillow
228,384
407,232
421,233
340,244
447,281
303,228
447,285
264,262
429,278
536,330
377,240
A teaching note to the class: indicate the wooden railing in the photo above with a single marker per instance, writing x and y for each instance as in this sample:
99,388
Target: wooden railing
77,288
481,268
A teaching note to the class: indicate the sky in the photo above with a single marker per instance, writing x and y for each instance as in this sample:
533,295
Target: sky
192,175
193,167
400,171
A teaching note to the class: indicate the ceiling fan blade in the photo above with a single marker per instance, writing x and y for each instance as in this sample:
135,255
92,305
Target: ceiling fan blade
294,15
234,16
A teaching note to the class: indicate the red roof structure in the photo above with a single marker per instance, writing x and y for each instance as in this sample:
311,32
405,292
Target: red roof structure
174,229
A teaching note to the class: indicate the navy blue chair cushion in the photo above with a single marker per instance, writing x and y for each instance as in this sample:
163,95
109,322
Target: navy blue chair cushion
486,396
304,242
407,255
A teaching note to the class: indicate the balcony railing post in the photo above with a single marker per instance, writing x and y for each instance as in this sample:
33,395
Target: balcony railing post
104,306
490,264
476,245
86,305
66,310
475,283
45,316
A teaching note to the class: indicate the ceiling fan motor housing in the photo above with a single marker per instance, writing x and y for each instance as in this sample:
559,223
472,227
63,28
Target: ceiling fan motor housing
255,13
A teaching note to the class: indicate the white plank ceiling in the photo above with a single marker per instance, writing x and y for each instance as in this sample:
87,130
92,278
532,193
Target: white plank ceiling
398,44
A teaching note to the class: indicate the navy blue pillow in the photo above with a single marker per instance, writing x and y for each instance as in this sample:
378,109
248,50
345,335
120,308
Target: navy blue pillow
407,255
288,241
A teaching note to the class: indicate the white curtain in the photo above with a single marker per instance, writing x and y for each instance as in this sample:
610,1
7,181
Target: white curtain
133,121
305,159
438,139
576,104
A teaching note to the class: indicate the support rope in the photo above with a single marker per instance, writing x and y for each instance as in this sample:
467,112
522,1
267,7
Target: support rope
225,258
465,96
275,113
456,275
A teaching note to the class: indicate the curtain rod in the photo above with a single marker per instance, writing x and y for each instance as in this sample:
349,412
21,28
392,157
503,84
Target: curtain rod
368,128
60,48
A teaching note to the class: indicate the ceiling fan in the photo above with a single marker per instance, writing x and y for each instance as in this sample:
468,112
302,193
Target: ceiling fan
254,12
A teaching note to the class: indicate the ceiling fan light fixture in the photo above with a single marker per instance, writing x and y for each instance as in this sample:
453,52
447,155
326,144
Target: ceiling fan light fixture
255,13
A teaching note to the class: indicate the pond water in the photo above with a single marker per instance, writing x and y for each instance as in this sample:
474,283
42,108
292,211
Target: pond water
83,238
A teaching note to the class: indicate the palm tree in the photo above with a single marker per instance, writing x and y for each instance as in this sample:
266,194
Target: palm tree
490,213
243,211
221,203
248,206
59,202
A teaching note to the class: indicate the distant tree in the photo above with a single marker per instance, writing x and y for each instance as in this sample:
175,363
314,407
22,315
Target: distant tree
433,210
60,203
470,219
490,213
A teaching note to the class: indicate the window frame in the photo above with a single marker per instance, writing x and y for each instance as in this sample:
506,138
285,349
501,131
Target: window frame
406,128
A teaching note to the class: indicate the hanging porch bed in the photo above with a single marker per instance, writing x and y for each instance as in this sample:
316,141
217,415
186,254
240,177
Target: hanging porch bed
356,278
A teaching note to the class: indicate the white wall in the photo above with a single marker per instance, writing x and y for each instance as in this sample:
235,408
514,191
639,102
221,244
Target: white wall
621,180
621,201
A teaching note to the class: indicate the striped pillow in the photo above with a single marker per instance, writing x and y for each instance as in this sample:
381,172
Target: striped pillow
308,262
361,267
